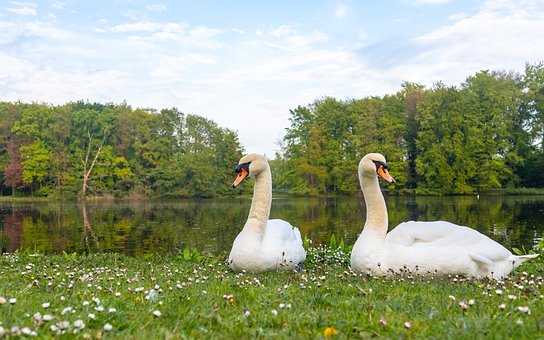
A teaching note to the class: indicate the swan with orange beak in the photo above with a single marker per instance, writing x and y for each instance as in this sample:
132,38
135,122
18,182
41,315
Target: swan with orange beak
263,244
425,248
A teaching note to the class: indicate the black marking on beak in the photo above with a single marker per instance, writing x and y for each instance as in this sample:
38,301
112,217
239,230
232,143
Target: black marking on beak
380,164
241,166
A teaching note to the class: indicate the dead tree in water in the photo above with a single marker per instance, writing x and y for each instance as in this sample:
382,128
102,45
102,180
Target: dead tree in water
88,230
88,168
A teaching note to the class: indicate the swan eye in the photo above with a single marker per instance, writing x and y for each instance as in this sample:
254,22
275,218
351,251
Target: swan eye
239,167
380,165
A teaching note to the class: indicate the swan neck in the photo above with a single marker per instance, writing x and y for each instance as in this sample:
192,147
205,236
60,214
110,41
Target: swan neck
376,210
262,198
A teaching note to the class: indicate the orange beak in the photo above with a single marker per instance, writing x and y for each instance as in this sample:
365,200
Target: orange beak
240,177
384,174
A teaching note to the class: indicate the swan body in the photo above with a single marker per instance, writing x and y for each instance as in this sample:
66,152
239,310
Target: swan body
264,244
437,247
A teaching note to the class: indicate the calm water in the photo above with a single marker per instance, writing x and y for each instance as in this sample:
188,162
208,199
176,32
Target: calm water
211,225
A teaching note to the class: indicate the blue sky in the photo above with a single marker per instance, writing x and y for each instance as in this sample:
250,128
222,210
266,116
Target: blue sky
244,64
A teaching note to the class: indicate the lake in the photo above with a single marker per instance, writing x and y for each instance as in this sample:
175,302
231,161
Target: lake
138,228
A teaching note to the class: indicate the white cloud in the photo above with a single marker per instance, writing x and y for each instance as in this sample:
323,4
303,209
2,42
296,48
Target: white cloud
501,35
23,8
58,5
156,8
432,2
457,16
149,26
341,10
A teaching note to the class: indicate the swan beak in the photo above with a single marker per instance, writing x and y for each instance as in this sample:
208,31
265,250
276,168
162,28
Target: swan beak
384,174
240,177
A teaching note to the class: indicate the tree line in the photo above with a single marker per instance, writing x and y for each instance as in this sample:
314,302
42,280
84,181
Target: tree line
89,149
482,135
485,134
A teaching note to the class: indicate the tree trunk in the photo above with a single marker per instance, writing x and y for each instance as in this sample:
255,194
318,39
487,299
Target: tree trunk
87,169
84,187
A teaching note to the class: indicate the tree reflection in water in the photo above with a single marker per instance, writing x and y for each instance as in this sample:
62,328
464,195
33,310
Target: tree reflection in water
210,225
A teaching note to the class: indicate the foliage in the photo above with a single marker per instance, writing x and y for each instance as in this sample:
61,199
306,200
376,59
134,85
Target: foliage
483,135
114,149
36,162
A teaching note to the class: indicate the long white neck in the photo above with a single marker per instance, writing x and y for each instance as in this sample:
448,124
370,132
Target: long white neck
262,201
376,211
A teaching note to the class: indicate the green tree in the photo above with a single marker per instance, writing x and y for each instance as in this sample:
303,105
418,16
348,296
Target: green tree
36,161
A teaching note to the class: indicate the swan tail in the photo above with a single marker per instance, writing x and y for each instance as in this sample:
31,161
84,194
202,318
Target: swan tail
523,258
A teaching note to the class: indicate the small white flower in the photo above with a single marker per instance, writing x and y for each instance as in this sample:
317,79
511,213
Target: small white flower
117,294
47,317
2,331
519,322
67,310
112,310
63,324
99,308
524,309
451,297
62,298
12,301
2,300
502,306
274,312
471,302
246,313
157,313
407,325
53,328
498,291
79,324
108,327
85,303
91,316
512,297
46,305
37,317
463,305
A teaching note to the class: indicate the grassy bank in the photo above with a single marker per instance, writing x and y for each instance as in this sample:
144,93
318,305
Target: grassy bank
191,296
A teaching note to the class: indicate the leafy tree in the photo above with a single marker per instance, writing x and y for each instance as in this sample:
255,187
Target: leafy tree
13,173
36,160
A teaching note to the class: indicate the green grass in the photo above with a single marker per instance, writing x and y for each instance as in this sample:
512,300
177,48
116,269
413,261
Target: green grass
199,297
523,191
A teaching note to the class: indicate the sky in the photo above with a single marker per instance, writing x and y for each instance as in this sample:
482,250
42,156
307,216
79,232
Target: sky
245,64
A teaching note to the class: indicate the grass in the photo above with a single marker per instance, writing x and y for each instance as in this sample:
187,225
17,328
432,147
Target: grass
195,296
524,191
25,199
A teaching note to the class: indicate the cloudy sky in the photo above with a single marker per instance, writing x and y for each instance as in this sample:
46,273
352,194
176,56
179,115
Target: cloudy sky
244,64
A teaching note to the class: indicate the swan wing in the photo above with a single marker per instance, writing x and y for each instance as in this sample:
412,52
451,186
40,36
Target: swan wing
281,238
446,235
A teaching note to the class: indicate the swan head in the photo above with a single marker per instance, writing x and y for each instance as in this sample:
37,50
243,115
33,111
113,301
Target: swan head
374,164
249,165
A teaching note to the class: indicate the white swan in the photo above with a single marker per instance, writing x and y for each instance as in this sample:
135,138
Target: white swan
263,244
425,247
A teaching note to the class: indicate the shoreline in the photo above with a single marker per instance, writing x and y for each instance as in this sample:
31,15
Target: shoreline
277,194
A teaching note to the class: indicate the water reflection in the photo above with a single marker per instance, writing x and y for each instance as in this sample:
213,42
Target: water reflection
211,225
